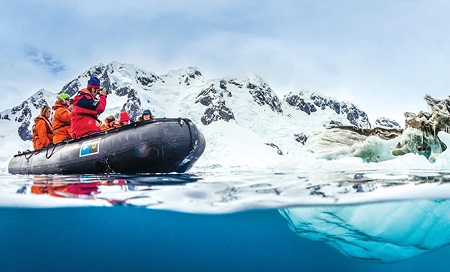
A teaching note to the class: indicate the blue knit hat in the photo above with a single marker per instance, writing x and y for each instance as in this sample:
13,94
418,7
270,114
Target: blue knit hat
94,82
146,112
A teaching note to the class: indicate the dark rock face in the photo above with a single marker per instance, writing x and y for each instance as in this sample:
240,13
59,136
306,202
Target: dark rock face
301,137
312,102
263,95
386,122
214,100
133,105
300,104
25,131
190,75
146,80
72,87
122,91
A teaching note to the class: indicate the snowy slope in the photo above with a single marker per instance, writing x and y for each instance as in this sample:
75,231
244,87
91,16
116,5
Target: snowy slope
243,119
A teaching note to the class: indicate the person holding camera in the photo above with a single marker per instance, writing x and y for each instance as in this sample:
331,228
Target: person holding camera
87,105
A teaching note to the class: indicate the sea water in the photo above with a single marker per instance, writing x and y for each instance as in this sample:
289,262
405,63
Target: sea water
227,221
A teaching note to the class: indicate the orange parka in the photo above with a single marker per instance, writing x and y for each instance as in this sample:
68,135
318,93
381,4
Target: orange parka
61,122
109,125
42,132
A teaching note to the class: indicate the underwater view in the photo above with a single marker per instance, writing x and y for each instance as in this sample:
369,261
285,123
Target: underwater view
375,220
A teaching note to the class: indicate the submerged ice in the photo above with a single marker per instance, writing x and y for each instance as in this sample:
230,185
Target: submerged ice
378,232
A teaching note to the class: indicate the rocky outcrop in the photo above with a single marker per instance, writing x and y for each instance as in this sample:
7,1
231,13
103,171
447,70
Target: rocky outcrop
263,95
310,102
380,132
426,126
301,137
214,100
437,120
386,123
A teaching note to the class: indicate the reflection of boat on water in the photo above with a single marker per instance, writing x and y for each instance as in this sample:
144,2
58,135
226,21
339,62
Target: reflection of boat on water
104,187
160,146
376,232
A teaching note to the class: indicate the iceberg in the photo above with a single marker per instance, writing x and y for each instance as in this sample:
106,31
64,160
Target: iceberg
383,232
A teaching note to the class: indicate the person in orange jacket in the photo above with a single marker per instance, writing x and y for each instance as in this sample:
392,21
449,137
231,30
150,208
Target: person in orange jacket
86,108
42,129
61,119
109,123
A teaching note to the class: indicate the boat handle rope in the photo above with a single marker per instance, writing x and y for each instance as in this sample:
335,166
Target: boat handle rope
190,134
51,154
29,157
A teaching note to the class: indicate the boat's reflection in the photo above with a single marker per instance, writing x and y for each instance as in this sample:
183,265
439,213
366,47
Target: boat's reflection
92,186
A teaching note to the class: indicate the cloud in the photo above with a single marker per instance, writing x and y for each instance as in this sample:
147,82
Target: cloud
365,52
44,59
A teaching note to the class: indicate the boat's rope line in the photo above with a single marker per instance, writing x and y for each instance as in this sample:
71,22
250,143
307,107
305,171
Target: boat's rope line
190,134
48,156
28,157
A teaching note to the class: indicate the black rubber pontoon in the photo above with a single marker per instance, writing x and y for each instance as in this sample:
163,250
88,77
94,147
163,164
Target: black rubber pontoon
160,146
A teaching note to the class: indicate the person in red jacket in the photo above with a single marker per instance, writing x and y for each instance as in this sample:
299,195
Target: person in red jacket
86,108
61,119
124,118
42,129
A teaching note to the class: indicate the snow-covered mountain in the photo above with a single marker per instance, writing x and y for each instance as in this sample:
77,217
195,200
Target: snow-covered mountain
386,123
243,119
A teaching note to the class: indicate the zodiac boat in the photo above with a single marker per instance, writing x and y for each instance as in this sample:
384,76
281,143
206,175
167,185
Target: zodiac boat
163,145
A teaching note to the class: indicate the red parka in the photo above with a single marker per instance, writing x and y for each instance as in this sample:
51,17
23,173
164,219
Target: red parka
61,122
85,112
42,132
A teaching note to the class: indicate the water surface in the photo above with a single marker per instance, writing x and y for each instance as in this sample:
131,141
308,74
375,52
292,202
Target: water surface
227,221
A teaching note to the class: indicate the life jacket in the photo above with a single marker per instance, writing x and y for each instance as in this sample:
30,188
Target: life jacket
109,125
61,122
42,132
85,112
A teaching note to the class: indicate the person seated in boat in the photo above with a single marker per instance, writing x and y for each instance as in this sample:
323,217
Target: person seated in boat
70,107
86,107
124,118
61,119
109,123
42,129
146,116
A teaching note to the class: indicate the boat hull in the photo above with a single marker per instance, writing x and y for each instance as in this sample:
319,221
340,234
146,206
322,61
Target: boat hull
160,146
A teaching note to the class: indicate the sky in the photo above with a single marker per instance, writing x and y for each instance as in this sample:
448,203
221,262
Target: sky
382,55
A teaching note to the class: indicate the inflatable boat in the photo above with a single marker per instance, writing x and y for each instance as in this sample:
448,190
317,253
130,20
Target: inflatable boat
163,145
